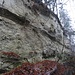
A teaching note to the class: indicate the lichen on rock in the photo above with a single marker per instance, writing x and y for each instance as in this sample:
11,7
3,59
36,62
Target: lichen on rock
29,37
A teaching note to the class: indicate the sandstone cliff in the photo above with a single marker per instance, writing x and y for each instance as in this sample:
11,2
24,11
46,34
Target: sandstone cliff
33,36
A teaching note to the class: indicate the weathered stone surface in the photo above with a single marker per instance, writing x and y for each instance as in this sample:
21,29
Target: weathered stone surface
42,34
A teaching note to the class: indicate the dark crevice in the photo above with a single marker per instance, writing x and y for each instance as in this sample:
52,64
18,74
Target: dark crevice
49,35
3,71
0,19
7,14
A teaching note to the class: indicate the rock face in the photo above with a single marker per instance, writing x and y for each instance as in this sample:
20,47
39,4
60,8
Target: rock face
34,37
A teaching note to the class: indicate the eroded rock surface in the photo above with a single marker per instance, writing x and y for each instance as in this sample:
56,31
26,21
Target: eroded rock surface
34,37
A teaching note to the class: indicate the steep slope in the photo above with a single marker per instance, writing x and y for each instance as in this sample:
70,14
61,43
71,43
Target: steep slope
34,37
